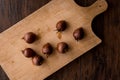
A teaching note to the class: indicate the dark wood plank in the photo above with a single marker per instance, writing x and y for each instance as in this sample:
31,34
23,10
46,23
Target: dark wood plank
100,63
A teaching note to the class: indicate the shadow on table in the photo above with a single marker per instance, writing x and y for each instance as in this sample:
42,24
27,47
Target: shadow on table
3,75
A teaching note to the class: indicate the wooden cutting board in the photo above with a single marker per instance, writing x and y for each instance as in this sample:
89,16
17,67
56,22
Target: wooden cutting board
43,23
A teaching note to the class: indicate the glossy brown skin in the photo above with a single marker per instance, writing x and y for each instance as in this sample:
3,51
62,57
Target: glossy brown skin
47,49
61,26
37,60
78,34
62,47
30,37
28,52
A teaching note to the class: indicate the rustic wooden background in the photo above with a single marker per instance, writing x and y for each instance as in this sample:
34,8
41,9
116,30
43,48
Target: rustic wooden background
100,63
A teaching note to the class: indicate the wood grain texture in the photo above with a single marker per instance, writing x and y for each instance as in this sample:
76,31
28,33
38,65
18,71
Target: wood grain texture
101,63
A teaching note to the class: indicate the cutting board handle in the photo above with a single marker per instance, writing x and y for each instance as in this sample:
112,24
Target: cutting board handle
96,8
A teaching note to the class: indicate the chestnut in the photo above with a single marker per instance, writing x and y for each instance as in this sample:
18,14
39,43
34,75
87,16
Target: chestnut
78,34
62,47
28,52
61,26
37,60
30,37
47,49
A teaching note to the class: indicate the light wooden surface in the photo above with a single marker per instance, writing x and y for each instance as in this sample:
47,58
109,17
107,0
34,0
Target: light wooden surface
43,22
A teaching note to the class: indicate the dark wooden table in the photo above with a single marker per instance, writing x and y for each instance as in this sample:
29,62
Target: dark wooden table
100,63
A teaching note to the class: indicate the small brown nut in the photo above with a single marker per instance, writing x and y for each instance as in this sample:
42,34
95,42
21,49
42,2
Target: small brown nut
30,37
47,49
37,60
61,26
62,47
78,34
28,52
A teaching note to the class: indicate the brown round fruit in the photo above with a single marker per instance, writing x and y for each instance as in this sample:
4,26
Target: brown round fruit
28,52
47,49
37,60
78,34
61,26
30,37
62,47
